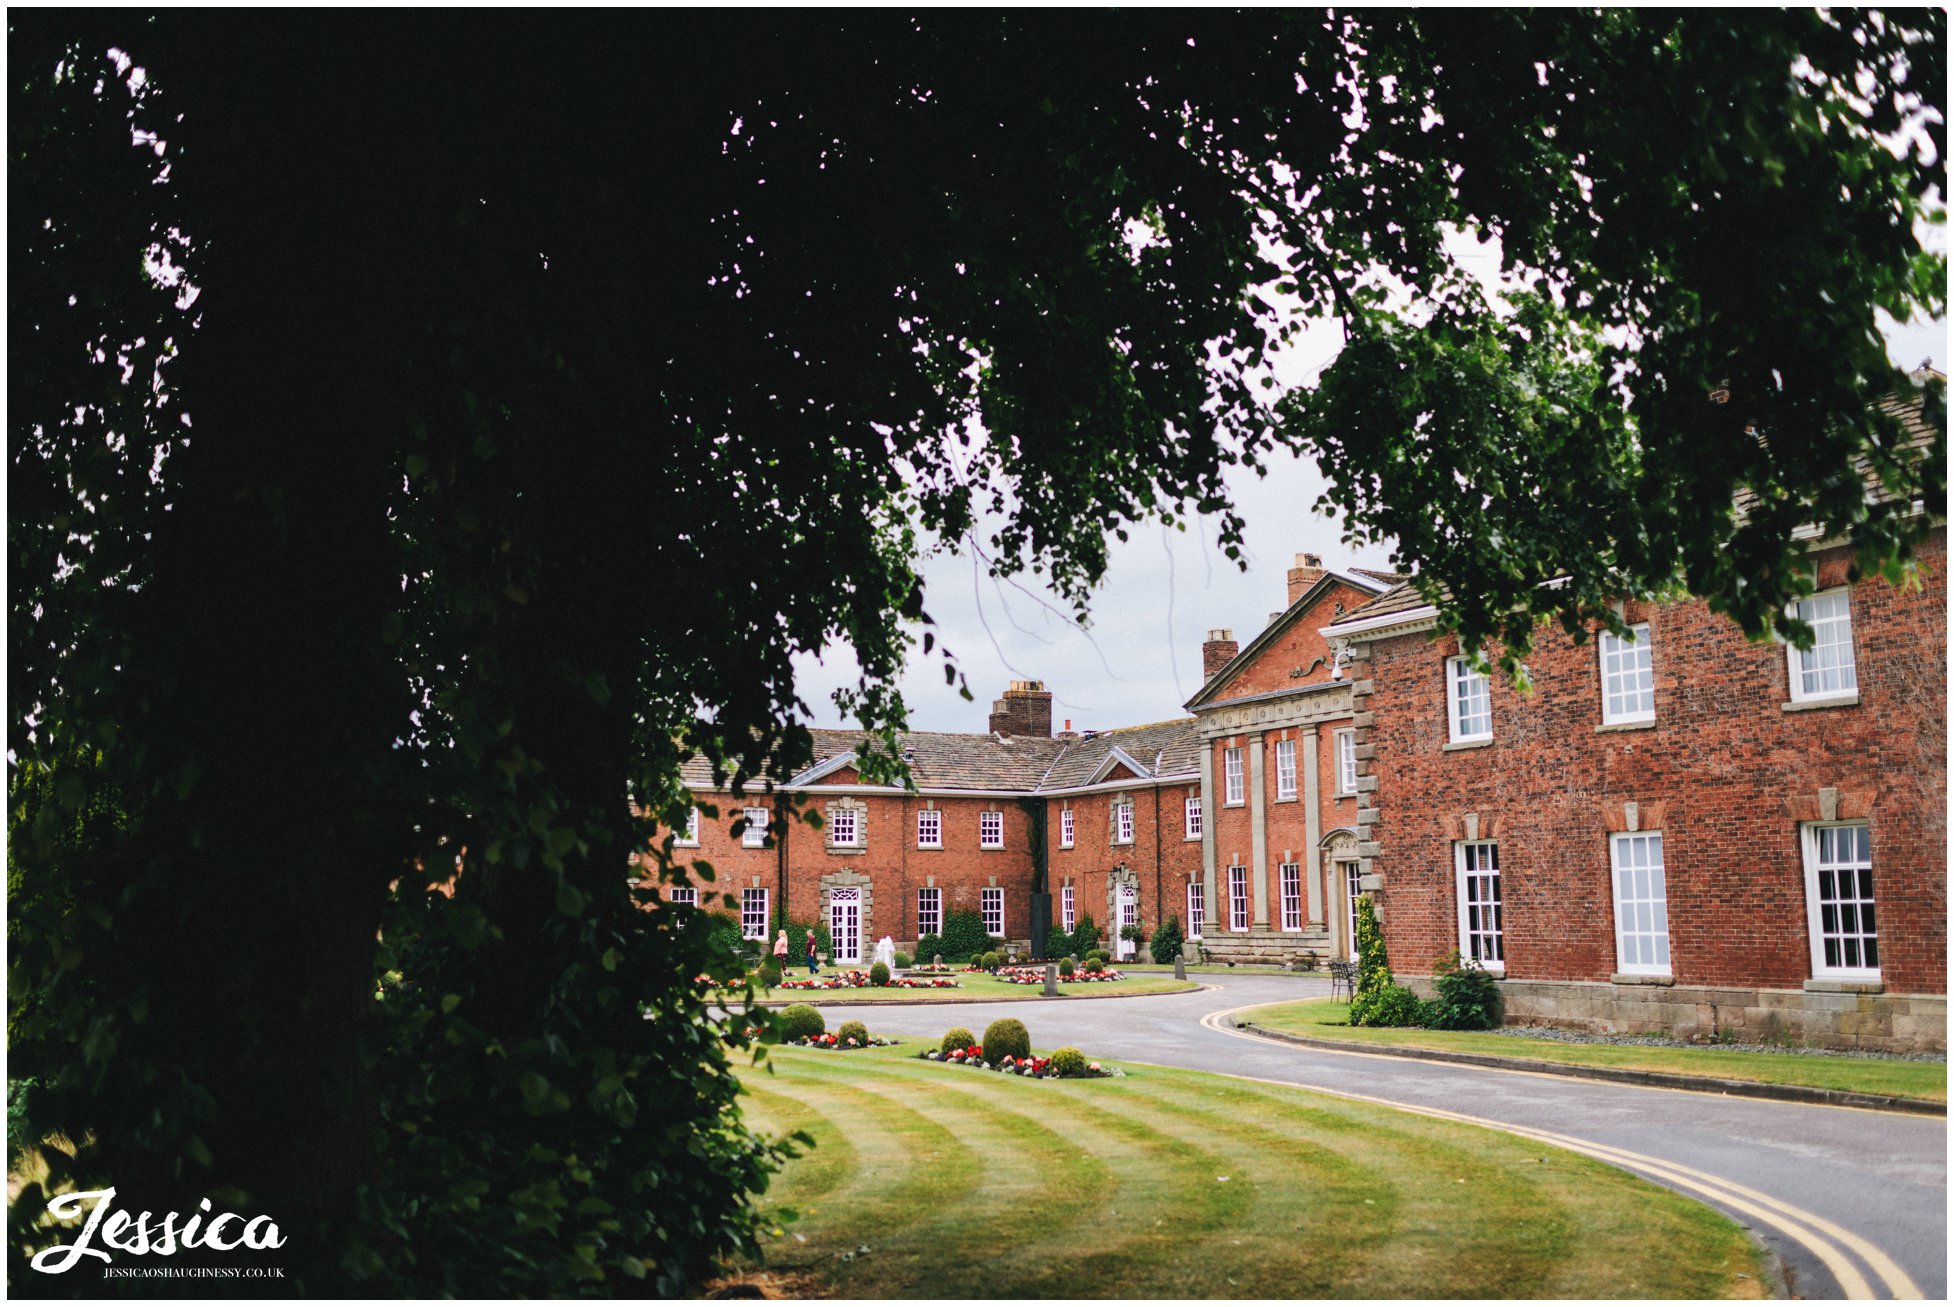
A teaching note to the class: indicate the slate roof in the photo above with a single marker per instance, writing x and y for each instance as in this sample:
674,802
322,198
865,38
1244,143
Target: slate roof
1028,764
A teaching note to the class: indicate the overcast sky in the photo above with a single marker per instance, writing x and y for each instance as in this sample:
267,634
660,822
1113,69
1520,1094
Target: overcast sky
1140,659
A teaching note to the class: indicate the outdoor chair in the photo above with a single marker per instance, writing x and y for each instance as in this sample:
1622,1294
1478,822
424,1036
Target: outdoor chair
1343,975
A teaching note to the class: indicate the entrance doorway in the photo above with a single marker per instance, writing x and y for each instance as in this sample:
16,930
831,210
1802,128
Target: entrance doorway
1351,890
1129,915
845,925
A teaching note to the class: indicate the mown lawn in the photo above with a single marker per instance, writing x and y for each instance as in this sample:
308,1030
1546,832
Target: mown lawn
929,1181
1329,1019
975,985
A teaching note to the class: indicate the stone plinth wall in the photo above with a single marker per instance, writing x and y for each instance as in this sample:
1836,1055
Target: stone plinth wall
1266,946
1888,1023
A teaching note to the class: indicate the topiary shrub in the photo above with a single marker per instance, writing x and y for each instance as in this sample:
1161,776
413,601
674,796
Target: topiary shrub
1167,942
1093,965
991,961
1373,964
1068,1062
1393,1005
1057,943
878,975
1468,995
954,1038
1006,1038
854,1030
1085,936
802,1022
769,974
1101,954
964,936
904,960
1066,969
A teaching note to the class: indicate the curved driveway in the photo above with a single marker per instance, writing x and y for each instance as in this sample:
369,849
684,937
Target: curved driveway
1853,1202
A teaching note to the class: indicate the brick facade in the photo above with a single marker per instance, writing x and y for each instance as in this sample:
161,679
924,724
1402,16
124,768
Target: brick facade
1730,772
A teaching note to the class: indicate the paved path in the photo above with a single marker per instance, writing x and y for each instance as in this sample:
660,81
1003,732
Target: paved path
1853,1202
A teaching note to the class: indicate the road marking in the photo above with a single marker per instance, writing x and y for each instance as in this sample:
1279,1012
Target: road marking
1796,1224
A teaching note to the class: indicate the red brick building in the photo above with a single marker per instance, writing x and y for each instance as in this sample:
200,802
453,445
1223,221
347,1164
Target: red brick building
1112,824
1688,832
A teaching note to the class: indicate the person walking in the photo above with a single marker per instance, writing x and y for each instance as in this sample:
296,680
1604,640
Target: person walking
780,952
813,963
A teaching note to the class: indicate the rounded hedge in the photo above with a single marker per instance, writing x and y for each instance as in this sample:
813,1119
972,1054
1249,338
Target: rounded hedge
1006,1038
954,1038
878,975
802,1022
1065,967
769,975
1094,966
993,960
904,960
1068,1061
1100,953
854,1030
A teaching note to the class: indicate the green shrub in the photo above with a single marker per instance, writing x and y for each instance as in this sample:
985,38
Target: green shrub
1167,942
1373,964
802,1022
954,1038
1102,955
878,975
1093,965
1393,1005
725,933
903,960
1085,936
1068,1062
1468,995
1057,943
964,936
992,961
928,949
1066,969
1006,1038
854,1030
769,974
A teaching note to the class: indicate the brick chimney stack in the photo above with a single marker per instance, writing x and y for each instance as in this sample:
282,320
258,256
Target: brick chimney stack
1217,651
1025,709
1306,573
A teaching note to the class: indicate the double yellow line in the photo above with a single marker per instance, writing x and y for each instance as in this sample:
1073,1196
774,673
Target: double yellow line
1824,1239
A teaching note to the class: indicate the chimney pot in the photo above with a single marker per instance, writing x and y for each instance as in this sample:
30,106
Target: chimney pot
1025,709
1306,573
1218,651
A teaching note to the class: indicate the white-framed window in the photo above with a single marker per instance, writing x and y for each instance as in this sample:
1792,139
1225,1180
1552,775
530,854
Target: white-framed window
1068,908
1232,789
1194,816
1285,769
993,903
1469,700
1238,898
685,894
1641,904
688,838
1839,900
1292,895
1197,909
1482,928
1346,762
753,914
990,830
929,828
845,828
1353,889
929,912
1826,670
754,835
1627,677
1123,822
1065,828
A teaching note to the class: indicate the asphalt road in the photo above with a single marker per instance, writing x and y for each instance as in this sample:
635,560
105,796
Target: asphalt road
1853,1202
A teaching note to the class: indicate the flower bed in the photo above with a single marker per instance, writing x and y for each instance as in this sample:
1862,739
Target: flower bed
1035,1068
860,980
1036,976
931,969
830,1040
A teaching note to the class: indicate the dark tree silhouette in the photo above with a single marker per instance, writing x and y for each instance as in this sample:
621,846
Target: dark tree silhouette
551,382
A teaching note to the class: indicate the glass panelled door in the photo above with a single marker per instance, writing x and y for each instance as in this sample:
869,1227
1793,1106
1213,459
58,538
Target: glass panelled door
845,925
1351,889
1129,915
